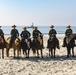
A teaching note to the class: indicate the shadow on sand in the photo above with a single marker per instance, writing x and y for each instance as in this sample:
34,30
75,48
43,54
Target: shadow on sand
35,59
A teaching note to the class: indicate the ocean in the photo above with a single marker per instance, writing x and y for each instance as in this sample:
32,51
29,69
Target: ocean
44,29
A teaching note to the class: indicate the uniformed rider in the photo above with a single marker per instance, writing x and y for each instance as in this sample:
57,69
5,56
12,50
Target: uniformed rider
68,32
25,34
52,32
2,34
14,34
35,35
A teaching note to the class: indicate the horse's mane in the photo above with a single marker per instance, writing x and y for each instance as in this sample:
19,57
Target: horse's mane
40,40
1,39
17,41
7,40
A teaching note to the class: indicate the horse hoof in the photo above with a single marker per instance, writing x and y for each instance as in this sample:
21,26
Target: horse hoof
54,56
37,57
42,56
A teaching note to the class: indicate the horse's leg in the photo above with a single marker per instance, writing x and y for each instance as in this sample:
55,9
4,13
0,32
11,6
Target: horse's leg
3,53
49,51
38,53
7,52
41,53
23,50
73,52
68,51
34,52
54,52
20,51
14,53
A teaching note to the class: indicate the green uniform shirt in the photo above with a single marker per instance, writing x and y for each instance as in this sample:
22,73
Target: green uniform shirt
36,33
52,31
14,32
25,34
68,32
1,32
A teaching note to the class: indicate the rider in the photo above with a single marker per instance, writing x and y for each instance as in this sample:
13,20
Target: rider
35,34
51,32
25,35
68,32
14,34
2,34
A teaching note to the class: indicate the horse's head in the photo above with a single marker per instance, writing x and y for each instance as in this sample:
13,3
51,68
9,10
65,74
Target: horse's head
53,36
17,41
70,41
39,39
1,39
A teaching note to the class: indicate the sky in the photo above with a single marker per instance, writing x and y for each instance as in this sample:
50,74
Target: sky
40,12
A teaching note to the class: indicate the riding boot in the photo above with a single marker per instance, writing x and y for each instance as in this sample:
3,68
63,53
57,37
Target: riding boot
57,43
64,42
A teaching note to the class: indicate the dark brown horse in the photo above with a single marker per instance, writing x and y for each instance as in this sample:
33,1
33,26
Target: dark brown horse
2,46
52,45
70,43
36,46
15,45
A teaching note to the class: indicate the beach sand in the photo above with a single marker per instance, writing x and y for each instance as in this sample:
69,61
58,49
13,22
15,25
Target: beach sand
61,65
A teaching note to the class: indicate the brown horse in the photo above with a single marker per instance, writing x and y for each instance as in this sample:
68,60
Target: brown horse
15,45
36,46
2,46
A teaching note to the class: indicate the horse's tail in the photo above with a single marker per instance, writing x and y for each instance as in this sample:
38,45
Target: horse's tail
34,51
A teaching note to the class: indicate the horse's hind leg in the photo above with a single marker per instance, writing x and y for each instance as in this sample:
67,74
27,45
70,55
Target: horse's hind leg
3,53
49,51
54,52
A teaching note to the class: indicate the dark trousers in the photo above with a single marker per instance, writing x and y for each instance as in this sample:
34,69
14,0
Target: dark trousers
12,40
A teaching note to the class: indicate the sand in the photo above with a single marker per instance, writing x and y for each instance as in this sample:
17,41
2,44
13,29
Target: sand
61,65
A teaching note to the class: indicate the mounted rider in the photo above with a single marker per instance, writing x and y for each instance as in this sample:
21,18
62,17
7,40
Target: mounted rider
25,34
2,34
35,35
14,34
52,32
68,32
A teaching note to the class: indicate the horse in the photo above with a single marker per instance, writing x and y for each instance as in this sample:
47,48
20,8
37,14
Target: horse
52,45
2,46
70,44
16,45
37,45
25,46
